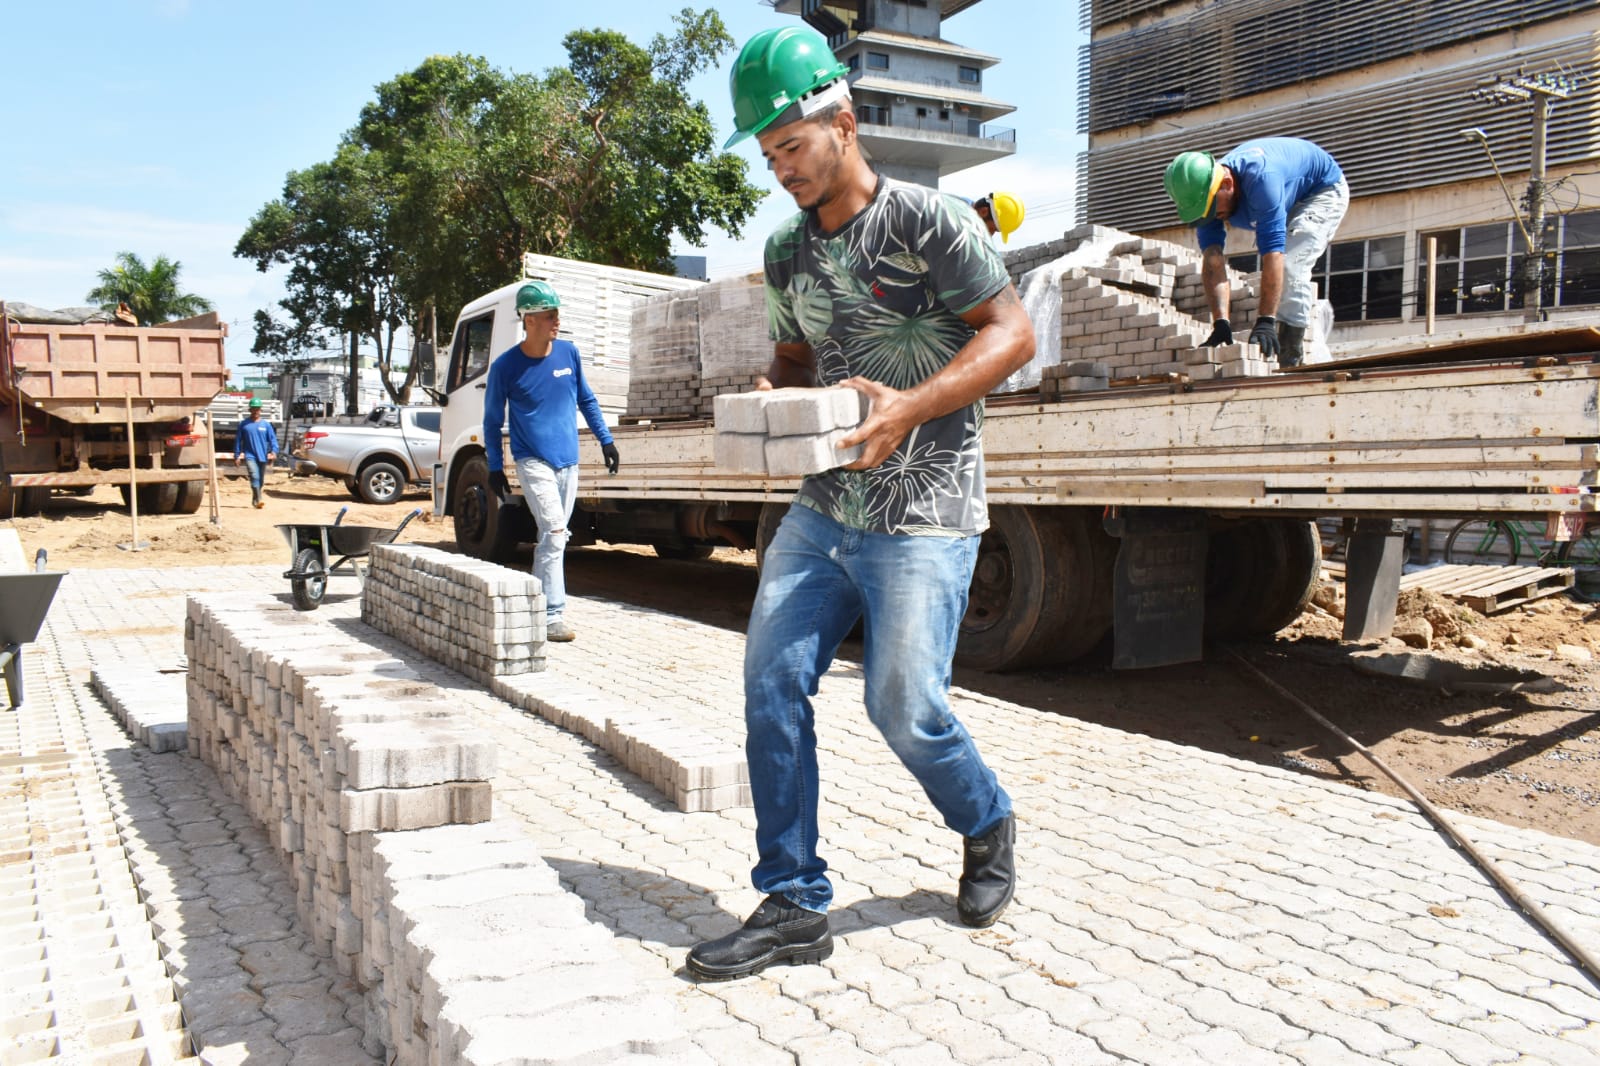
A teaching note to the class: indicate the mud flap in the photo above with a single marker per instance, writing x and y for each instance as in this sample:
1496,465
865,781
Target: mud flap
1158,608
1374,559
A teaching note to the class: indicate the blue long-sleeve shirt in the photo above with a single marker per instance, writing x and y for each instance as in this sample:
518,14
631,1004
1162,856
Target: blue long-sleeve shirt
1271,174
256,438
544,395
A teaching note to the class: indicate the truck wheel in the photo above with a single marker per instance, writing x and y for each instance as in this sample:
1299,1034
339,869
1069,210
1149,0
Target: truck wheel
353,486
159,498
381,482
307,592
23,502
477,513
1041,589
191,494
1260,574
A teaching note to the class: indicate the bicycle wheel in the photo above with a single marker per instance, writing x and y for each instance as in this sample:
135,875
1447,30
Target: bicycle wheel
1583,550
1481,542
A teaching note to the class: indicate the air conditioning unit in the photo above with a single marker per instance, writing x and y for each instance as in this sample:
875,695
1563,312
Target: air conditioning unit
899,99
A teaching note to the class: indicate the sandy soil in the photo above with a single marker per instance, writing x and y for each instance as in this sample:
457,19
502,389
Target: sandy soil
1525,757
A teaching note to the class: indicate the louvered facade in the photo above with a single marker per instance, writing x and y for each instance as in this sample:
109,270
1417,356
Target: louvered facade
920,105
1388,89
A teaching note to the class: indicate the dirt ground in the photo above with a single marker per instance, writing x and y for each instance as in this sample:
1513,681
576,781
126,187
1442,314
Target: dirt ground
1527,754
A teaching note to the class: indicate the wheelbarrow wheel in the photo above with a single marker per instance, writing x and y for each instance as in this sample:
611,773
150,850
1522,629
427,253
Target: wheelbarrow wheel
308,591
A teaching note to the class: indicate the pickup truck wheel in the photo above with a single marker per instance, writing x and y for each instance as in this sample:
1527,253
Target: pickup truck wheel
381,482
191,494
480,530
307,592
353,486
1041,589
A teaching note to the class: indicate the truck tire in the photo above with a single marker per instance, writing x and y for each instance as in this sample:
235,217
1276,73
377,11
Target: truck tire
191,494
21,503
381,482
1041,589
159,498
477,513
1260,574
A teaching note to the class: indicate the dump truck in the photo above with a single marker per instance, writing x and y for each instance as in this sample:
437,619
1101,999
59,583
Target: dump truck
81,402
1144,490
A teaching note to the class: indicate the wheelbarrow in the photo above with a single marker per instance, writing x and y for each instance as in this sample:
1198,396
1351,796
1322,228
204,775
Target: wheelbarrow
316,551
25,599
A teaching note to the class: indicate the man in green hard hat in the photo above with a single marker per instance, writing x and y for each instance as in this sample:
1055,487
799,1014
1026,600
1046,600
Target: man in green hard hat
1293,194
540,382
893,290
256,444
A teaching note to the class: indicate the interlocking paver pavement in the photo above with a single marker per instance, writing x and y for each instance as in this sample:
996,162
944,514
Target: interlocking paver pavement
1174,905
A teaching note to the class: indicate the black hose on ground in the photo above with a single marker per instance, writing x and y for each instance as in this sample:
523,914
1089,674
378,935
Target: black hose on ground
1584,958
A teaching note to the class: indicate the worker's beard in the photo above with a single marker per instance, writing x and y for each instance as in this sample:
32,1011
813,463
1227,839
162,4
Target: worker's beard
819,190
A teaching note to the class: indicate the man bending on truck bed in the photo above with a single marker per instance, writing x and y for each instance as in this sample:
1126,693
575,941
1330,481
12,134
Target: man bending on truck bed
1294,196
541,381
896,291
256,443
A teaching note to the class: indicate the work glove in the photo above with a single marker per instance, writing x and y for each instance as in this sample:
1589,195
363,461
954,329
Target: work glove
1264,335
498,483
613,460
1221,333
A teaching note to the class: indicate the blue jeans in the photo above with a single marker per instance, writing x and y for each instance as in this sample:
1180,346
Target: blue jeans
550,495
817,580
258,472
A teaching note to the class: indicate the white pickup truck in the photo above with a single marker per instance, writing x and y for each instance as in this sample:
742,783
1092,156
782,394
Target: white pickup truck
377,459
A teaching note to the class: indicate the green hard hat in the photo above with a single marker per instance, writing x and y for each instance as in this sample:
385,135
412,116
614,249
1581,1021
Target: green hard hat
775,69
537,296
1191,180
255,404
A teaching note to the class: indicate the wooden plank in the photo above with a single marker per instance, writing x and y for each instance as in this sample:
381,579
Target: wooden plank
1524,344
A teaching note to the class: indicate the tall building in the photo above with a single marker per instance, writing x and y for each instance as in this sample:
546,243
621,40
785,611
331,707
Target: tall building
1419,101
919,98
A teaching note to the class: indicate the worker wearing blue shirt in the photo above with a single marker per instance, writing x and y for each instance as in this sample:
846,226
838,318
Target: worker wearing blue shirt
1293,195
256,442
541,382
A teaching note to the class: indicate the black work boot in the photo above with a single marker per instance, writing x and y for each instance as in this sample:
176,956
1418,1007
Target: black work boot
988,874
1291,345
778,931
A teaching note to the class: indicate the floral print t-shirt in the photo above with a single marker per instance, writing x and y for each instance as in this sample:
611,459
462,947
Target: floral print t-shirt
881,298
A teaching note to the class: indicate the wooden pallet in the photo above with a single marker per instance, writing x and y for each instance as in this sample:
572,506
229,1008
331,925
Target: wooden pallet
1486,589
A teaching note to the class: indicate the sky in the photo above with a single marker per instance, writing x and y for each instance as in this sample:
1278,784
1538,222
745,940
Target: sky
161,127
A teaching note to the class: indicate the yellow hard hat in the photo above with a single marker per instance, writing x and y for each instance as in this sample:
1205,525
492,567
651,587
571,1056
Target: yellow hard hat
1007,212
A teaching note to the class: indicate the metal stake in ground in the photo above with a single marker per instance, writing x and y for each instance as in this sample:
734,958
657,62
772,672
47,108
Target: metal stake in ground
133,485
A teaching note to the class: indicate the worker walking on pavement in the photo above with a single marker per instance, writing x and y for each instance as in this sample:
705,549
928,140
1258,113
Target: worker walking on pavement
1001,212
893,290
256,443
1293,194
541,382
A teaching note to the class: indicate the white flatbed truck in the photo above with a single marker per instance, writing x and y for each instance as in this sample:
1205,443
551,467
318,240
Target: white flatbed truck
1164,513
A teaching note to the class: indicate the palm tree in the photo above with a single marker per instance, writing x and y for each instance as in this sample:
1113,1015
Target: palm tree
151,292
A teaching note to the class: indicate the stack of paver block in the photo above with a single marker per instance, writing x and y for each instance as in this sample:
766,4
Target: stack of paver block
460,933
1142,312
689,348
477,956
478,617
786,432
319,740
151,707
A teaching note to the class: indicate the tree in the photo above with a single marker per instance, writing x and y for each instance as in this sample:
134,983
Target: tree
457,169
151,292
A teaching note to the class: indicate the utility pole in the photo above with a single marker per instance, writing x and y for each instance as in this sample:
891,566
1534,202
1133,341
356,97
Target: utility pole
1540,90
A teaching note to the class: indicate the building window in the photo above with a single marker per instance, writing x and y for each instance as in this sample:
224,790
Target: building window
853,64
1479,268
971,76
922,112
1364,280
944,114
877,61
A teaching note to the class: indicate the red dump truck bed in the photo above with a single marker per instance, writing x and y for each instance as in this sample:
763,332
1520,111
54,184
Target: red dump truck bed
81,373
